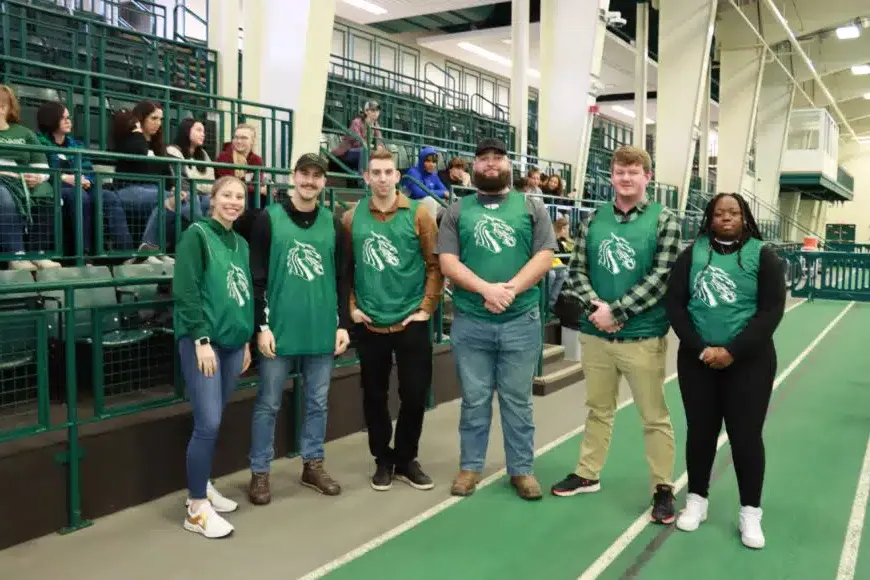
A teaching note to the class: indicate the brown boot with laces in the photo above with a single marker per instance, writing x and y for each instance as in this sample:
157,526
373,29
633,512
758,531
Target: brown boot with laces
315,476
258,489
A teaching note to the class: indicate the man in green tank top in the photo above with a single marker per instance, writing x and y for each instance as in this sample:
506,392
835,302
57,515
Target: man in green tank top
397,286
300,274
618,277
495,247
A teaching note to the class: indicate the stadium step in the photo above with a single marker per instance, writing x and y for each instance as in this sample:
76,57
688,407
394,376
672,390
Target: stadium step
557,373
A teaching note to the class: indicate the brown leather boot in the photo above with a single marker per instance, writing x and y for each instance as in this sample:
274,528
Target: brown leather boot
465,483
258,489
527,487
315,476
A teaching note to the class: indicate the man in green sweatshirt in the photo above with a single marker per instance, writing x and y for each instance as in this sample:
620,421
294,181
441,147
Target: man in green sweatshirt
300,274
618,275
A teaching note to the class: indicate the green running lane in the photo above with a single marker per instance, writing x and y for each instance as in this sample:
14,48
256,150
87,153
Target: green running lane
815,439
495,535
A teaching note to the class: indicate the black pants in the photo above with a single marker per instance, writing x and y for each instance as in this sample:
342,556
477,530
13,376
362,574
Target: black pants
739,395
413,350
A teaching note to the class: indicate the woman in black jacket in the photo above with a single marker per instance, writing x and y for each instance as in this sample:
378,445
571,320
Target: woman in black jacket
725,299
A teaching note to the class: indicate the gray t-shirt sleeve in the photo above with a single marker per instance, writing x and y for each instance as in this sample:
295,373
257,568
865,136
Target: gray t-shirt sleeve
448,232
543,235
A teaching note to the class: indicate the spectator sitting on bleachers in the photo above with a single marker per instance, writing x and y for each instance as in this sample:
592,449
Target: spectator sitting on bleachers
553,187
426,172
349,149
241,152
55,128
188,144
455,173
26,199
558,274
533,179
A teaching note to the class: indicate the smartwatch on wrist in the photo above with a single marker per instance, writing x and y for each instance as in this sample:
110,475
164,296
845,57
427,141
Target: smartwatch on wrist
203,341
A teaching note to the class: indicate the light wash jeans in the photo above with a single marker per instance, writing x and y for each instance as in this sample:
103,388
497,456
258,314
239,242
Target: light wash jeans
316,372
497,357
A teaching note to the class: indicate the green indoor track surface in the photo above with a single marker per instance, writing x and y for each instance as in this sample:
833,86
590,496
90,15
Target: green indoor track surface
815,439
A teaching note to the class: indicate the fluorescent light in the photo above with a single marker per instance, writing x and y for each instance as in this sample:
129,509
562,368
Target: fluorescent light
848,32
367,6
867,96
861,69
629,113
491,56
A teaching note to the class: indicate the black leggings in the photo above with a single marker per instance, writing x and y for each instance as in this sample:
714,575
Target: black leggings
739,394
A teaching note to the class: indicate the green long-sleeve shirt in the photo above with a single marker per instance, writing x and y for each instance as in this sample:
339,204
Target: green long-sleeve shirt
190,264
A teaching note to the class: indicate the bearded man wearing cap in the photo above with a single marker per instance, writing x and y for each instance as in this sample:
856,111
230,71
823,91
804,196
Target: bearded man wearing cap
301,281
496,246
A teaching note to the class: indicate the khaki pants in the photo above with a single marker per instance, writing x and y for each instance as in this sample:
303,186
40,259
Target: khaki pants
643,365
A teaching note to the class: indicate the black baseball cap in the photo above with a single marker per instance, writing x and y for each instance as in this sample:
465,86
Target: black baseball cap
311,160
496,145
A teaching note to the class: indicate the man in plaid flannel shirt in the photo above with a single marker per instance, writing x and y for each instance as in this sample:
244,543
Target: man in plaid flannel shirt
618,277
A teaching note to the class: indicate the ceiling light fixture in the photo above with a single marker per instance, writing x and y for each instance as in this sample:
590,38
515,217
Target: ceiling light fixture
848,32
861,69
867,96
491,56
367,6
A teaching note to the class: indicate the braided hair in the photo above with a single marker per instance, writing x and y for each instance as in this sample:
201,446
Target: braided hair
750,227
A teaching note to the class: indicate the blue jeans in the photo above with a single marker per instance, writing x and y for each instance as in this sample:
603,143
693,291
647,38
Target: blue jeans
208,397
151,234
555,280
113,214
497,357
13,225
316,372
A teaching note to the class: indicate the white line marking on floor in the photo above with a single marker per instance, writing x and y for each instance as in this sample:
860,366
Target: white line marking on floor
634,530
852,544
453,500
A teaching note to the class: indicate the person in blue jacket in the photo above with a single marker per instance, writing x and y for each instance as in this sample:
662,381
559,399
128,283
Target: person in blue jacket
426,172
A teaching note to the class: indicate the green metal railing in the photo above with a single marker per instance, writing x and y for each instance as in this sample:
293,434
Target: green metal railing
39,34
92,104
833,275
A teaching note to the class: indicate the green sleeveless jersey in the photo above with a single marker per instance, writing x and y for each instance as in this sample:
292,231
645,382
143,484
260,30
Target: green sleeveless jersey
389,270
301,295
227,299
495,243
619,255
724,295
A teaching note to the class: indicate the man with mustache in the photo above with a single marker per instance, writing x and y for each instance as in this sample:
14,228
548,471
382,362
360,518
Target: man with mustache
496,246
617,276
301,284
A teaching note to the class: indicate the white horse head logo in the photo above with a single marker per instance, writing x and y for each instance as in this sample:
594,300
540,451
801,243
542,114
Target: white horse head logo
238,288
713,284
304,261
493,234
378,251
615,252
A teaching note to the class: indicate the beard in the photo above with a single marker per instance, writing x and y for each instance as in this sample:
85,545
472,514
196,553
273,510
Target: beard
495,184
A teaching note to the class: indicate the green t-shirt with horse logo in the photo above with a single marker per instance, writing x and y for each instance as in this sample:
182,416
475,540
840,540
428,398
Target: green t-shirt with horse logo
620,255
301,295
724,290
495,242
389,271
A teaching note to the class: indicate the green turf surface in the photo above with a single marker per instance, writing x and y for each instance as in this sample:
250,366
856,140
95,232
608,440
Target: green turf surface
496,535
815,438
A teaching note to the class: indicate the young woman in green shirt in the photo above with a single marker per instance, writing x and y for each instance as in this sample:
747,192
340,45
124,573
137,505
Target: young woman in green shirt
214,321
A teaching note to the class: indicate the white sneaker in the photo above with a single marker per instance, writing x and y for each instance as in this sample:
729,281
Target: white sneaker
167,260
207,522
221,504
694,514
22,265
750,527
46,264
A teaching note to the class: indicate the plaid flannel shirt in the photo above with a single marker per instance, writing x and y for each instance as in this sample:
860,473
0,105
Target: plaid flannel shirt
651,288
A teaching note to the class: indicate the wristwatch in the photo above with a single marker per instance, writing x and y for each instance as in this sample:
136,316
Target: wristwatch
264,327
203,341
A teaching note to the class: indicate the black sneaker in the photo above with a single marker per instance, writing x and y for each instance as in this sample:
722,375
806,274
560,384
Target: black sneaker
413,475
574,484
382,480
663,511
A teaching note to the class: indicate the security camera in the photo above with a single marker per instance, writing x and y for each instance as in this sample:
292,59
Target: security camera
614,19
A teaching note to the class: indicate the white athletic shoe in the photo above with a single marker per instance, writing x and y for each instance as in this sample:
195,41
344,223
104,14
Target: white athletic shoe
694,514
207,522
221,504
750,527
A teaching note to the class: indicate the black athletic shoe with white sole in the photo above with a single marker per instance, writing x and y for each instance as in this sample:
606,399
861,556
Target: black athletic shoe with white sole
413,475
382,480
574,484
